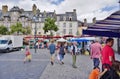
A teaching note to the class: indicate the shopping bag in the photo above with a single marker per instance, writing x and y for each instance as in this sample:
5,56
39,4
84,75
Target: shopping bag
58,57
29,57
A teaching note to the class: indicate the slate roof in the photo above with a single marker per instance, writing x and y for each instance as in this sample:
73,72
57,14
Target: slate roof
41,15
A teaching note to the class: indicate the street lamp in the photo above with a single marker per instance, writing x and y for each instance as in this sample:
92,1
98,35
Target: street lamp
35,19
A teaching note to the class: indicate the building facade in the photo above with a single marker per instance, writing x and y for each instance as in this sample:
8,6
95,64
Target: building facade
67,22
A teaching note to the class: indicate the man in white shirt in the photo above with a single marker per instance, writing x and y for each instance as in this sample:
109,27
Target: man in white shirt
74,52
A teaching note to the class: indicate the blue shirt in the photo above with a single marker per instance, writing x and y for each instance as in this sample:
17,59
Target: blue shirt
52,48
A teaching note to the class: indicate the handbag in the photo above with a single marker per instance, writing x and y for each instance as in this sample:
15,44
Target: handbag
27,53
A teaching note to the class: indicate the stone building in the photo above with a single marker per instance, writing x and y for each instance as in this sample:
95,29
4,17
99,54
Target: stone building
67,22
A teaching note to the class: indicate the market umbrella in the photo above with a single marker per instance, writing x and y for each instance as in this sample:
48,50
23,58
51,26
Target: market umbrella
109,27
61,40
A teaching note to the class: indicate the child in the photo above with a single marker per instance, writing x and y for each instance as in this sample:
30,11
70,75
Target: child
96,74
27,55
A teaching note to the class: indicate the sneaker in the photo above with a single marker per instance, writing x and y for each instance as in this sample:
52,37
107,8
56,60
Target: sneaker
29,60
24,62
74,66
52,63
62,62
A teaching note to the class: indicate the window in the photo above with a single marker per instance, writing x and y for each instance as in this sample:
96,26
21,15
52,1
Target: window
3,41
39,33
40,15
70,31
58,24
13,18
58,18
64,31
40,19
64,18
23,19
70,24
14,13
10,42
40,26
26,24
27,14
51,15
64,24
6,19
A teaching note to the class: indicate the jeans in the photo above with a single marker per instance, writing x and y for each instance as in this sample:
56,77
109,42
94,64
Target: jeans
61,57
96,62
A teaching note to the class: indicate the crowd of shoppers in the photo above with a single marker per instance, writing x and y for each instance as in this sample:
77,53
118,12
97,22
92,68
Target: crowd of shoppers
106,55
98,53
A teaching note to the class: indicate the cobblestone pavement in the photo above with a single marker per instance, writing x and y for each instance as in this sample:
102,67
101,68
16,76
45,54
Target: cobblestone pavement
57,71
66,71
12,66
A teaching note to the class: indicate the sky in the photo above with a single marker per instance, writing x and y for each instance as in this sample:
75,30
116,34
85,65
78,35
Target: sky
85,8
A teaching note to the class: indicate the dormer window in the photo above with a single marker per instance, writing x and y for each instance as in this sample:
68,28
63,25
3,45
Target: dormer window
70,19
14,13
40,15
64,18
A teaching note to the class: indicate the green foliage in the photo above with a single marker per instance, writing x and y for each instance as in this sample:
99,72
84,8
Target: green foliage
27,30
3,30
16,28
49,25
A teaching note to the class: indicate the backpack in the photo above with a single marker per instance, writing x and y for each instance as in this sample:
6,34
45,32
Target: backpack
73,50
110,74
62,50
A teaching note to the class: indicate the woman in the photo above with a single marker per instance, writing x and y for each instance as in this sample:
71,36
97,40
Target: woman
61,53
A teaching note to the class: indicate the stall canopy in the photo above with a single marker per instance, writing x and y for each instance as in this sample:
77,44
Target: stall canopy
82,39
109,27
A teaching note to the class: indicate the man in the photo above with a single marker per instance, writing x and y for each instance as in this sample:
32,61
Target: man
52,49
74,52
95,52
108,55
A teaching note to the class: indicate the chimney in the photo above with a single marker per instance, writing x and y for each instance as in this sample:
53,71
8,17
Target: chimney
4,9
44,13
85,21
74,10
34,9
38,11
94,20
54,11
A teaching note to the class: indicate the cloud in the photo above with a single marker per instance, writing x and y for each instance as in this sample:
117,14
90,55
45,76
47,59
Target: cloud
85,8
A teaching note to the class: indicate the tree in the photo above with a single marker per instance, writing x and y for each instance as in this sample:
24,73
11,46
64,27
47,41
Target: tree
17,28
3,30
27,30
49,25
